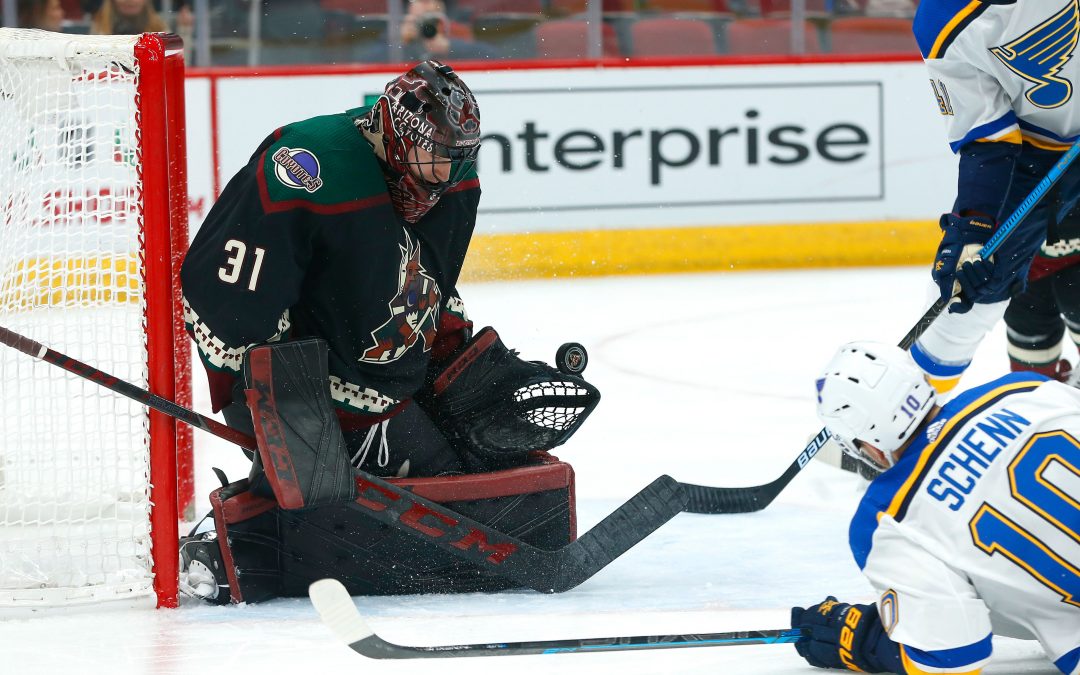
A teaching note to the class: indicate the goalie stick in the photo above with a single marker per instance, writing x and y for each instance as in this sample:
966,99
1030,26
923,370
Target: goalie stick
338,612
718,500
542,570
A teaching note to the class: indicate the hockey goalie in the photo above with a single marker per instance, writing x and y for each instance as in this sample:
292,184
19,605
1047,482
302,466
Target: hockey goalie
321,295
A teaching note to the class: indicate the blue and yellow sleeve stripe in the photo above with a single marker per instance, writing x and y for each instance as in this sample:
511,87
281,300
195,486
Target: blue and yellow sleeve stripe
966,660
1005,129
939,22
943,376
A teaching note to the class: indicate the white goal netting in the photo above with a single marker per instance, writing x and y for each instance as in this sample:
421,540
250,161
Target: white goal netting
74,457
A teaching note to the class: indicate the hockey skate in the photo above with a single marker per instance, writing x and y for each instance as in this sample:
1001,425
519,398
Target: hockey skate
1060,370
202,570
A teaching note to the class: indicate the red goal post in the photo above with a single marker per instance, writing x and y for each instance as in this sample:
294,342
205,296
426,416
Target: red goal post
93,227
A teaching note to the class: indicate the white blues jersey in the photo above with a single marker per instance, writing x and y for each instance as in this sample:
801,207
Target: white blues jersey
1003,70
976,530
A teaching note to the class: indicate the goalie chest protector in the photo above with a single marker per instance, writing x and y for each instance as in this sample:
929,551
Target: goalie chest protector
273,552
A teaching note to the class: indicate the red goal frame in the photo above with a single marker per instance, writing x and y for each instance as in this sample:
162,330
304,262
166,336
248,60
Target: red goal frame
163,146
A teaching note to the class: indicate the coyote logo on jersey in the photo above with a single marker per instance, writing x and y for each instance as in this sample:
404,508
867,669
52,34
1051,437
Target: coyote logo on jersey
1040,54
414,311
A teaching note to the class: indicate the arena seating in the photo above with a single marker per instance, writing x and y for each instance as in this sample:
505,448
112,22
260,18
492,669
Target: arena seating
661,36
568,39
336,31
870,34
767,36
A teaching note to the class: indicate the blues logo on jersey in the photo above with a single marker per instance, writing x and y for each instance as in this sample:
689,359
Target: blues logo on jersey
1039,55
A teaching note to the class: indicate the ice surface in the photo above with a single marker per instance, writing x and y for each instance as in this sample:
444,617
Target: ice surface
704,377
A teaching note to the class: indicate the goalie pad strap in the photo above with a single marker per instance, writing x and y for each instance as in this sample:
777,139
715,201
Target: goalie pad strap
268,433
299,439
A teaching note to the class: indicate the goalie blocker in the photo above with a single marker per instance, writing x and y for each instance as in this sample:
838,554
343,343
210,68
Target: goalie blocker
300,515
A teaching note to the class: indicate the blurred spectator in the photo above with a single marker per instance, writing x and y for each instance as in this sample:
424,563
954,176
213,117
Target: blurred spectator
44,14
843,7
91,6
425,34
181,9
901,8
185,21
127,17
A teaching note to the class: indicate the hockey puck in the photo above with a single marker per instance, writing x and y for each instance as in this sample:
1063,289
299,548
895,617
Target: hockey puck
571,358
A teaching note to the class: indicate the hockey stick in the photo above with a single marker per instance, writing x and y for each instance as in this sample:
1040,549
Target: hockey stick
337,611
163,405
716,500
498,553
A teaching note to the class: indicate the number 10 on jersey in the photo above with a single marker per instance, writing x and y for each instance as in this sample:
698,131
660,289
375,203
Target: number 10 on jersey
993,532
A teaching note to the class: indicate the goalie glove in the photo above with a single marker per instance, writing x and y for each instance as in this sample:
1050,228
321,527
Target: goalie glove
494,406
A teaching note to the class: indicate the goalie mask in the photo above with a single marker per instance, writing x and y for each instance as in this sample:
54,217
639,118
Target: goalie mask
873,393
426,132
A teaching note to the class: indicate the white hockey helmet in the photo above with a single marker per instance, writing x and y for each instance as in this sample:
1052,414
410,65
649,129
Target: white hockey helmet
875,393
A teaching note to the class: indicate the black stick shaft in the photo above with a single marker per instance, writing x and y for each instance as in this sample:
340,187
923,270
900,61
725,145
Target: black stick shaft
375,647
337,610
542,570
719,500
923,323
162,405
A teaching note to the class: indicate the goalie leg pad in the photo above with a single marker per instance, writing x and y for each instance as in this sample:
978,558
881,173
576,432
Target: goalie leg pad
272,552
301,448
497,407
248,535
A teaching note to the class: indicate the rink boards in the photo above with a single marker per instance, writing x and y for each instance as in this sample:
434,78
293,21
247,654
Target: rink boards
630,169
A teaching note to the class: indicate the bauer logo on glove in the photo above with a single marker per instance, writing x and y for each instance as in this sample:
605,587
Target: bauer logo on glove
843,636
958,270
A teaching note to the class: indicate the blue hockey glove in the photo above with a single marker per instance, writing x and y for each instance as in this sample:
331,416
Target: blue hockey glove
961,239
976,279
985,281
848,637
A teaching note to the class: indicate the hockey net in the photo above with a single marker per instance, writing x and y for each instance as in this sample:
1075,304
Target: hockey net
93,208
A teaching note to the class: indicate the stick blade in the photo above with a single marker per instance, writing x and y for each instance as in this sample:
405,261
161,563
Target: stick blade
335,606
